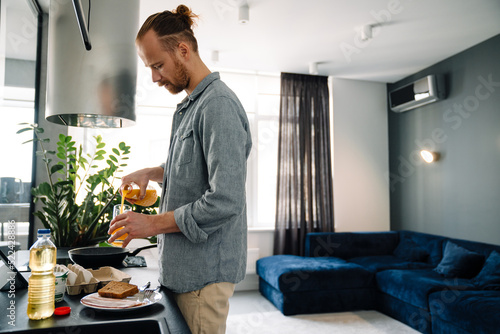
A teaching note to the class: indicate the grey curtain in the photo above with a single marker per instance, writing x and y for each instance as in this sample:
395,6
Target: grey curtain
304,198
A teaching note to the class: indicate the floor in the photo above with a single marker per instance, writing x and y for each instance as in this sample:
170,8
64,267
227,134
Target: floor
243,302
251,313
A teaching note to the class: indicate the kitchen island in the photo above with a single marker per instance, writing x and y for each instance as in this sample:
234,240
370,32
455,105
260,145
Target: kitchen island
161,317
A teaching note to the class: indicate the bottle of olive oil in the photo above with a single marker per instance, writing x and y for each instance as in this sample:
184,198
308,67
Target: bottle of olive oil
41,289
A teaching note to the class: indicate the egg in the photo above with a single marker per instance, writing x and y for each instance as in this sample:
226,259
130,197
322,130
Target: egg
71,278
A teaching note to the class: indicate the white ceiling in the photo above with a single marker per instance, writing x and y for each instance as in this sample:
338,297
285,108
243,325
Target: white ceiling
287,35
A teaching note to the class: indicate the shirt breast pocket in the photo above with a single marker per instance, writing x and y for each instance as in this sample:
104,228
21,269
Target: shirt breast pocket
186,147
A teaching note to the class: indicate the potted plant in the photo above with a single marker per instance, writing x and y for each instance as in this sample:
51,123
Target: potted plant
78,196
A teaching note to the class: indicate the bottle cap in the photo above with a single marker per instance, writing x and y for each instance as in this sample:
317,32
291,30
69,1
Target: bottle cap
43,231
63,310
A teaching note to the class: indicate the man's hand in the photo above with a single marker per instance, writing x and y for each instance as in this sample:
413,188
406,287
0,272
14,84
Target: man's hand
142,178
138,225
135,224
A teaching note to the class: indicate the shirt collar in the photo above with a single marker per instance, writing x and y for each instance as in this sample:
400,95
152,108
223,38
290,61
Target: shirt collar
199,88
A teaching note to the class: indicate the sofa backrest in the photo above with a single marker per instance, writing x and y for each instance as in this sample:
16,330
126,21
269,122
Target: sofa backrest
435,244
478,247
346,245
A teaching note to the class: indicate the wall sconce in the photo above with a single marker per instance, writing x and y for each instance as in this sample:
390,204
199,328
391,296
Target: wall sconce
429,156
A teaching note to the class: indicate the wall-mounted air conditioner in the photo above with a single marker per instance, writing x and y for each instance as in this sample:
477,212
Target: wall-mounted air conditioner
418,93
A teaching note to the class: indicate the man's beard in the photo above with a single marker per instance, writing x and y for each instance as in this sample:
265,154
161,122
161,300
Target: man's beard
181,79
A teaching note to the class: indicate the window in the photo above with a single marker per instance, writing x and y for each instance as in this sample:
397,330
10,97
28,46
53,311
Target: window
260,96
18,28
150,137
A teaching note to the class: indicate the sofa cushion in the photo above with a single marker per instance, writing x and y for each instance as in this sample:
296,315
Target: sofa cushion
432,244
489,277
289,273
459,262
473,311
409,250
384,262
414,286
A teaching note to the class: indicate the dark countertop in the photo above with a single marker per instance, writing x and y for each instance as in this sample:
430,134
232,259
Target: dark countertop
165,312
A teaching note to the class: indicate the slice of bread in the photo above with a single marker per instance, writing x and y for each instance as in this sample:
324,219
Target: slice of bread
115,289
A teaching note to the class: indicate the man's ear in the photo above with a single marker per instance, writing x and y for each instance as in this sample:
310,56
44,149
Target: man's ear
184,50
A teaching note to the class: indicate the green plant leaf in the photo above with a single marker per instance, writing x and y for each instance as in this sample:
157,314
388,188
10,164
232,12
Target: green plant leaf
63,183
56,168
29,141
24,130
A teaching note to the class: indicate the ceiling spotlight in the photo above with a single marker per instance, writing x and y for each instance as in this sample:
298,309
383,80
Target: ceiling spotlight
215,56
243,13
313,68
366,32
429,156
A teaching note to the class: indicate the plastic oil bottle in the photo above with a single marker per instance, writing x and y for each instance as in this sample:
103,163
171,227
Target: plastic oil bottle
41,289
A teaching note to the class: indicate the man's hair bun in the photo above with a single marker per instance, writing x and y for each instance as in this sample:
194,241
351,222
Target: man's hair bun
185,14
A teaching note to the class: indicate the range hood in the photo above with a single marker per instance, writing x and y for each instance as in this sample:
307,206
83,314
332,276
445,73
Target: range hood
96,87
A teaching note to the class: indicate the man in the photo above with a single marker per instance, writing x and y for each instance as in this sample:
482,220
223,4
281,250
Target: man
201,227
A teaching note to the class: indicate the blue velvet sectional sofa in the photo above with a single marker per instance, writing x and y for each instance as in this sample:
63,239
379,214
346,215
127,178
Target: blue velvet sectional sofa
432,283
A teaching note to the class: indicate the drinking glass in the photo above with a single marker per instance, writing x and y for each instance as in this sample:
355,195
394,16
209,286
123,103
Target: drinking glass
117,209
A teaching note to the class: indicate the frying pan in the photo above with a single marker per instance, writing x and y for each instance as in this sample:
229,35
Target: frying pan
94,257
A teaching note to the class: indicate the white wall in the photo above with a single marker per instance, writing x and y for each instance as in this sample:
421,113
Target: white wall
361,162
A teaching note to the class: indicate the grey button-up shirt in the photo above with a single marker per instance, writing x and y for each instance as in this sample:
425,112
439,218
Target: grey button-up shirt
204,184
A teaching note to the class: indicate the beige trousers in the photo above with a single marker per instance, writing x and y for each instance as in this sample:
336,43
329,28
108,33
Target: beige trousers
205,310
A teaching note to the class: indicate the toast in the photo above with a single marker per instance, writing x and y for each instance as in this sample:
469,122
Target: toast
115,289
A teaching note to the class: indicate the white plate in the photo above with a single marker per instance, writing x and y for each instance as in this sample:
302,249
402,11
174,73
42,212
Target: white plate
156,297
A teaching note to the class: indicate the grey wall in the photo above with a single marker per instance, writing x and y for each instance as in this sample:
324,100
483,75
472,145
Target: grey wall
459,195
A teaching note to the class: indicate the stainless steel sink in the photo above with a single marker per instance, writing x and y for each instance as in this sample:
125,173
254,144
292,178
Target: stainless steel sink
149,326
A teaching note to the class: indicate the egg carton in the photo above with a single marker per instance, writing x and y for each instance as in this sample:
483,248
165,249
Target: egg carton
80,280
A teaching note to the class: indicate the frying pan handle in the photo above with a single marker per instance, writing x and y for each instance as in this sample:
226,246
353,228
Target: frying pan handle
136,251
